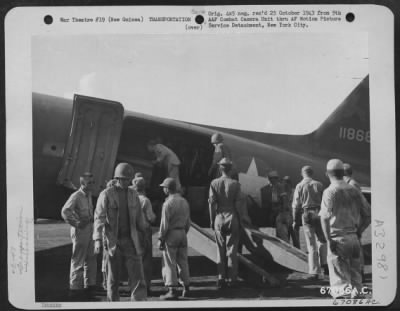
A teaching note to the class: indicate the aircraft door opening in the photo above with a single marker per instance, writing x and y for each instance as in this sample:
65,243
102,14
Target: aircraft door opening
93,141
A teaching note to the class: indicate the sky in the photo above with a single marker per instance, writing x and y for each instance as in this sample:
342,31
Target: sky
275,82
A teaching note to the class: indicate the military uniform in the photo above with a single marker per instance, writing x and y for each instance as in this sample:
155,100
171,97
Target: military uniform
149,217
224,194
119,214
346,208
352,181
284,220
175,223
307,196
78,212
271,203
170,160
220,151
355,184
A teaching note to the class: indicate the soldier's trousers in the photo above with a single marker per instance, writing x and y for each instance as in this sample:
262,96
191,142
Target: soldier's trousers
175,259
344,266
227,238
284,229
83,260
125,252
148,257
173,172
317,251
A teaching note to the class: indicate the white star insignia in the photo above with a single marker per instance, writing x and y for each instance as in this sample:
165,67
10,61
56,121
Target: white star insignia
251,183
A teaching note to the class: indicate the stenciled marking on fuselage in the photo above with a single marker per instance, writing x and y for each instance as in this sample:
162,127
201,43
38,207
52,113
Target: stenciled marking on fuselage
350,133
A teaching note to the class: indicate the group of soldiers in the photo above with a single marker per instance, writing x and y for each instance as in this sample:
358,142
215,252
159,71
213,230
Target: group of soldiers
121,226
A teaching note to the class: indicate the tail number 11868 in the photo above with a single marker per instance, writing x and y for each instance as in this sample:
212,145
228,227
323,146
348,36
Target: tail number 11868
349,133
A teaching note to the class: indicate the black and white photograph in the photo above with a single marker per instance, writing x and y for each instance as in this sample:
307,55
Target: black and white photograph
203,168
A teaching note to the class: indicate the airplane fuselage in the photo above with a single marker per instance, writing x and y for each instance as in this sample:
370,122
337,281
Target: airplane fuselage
62,133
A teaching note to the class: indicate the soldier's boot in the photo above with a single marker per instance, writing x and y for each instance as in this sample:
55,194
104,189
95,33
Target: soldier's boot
185,291
221,284
170,295
325,269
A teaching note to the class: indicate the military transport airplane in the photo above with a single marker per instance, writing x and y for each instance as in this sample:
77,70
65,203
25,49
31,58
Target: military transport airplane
91,134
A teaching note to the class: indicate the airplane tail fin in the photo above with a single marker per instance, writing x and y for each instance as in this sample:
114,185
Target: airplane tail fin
346,132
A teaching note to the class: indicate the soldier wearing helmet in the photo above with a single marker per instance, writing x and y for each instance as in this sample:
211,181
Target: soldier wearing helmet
307,201
224,198
175,223
78,212
119,215
345,214
220,151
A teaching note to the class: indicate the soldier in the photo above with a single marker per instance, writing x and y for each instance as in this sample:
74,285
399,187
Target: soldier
220,151
149,218
78,212
284,221
104,264
271,199
223,200
119,214
138,175
175,223
345,214
307,197
348,177
167,159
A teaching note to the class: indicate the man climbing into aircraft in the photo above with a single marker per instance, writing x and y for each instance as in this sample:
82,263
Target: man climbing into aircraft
307,197
119,215
78,212
221,150
345,214
224,196
174,226
166,158
139,185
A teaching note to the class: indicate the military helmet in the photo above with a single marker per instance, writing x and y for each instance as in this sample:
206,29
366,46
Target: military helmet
138,175
169,183
273,174
225,161
123,170
216,138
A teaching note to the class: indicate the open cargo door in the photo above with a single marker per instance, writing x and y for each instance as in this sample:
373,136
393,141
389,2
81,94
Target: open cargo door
93,141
